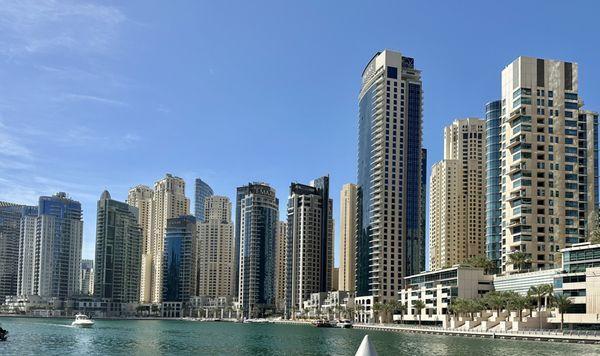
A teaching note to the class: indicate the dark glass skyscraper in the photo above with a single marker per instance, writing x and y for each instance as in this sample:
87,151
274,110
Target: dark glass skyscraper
493,195
258,211
180,259
391,239
203,191
118,251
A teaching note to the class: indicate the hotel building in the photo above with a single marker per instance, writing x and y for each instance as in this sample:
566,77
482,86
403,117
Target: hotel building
140,197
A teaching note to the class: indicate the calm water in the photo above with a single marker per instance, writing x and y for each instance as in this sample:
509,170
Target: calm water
56,337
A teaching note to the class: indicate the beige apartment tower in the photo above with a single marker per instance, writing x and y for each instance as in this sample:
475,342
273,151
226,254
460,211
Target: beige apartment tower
548,163
215,249
457,196
141,197
347,269
168,201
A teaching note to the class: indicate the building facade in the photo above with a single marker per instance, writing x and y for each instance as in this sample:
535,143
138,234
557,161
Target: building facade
140,197
457,198
546,178
390,223
86,278
259,213
203,191
118,251
11,216
309,248
493,209
180,260
280,248
51,249
347,274
168,202
215,249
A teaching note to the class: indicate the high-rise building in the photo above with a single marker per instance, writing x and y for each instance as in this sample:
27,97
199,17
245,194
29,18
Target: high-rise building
390,238
280,245
86,277
309,251
203,191
457,187
215,249
180,259
141,197
335,279
118,251
10,231
347,274
168,202
493,209
241,193
547,148
258,212
51,249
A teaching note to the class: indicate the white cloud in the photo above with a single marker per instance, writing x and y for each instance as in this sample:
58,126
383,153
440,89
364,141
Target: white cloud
92,98
38,26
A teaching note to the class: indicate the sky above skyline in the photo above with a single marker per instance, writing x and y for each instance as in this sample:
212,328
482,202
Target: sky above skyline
108,95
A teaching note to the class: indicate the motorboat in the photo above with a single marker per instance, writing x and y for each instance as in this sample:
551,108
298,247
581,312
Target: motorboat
344,324
82,321
322,323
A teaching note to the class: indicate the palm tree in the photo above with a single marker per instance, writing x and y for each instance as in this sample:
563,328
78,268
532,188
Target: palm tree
398,307
480,262
419,305
495,301
562,302
519,260
377,308
539,292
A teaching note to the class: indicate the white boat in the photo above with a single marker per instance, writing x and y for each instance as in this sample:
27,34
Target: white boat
82,321
344,324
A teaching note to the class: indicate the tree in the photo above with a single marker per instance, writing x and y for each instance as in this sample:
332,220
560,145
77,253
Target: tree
562,302
400,308
539,293
419,305
480,262
495,301
519,260
594,226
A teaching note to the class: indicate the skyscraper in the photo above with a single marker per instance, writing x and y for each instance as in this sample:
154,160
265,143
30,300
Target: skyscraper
215,249
51,249
280,245
493,209
309,251
546,179
347,272
390,175
259,212
118,251
86,277
457,218
141,197
203,191
168,201
10,230
180,259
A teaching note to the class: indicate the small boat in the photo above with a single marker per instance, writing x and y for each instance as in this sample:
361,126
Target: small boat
82,321
344,324
322,323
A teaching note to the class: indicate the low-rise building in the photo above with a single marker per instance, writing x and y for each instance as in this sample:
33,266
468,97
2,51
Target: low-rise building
521,282
437,289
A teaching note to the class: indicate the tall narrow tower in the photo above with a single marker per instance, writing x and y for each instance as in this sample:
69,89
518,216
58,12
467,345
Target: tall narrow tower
347,271
390,235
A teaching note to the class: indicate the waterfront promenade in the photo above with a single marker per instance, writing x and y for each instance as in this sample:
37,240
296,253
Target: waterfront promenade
568,336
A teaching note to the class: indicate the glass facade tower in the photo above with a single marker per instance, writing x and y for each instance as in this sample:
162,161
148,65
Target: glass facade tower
203,191
493,197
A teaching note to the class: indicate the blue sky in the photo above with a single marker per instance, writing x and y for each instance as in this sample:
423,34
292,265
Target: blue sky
107,95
